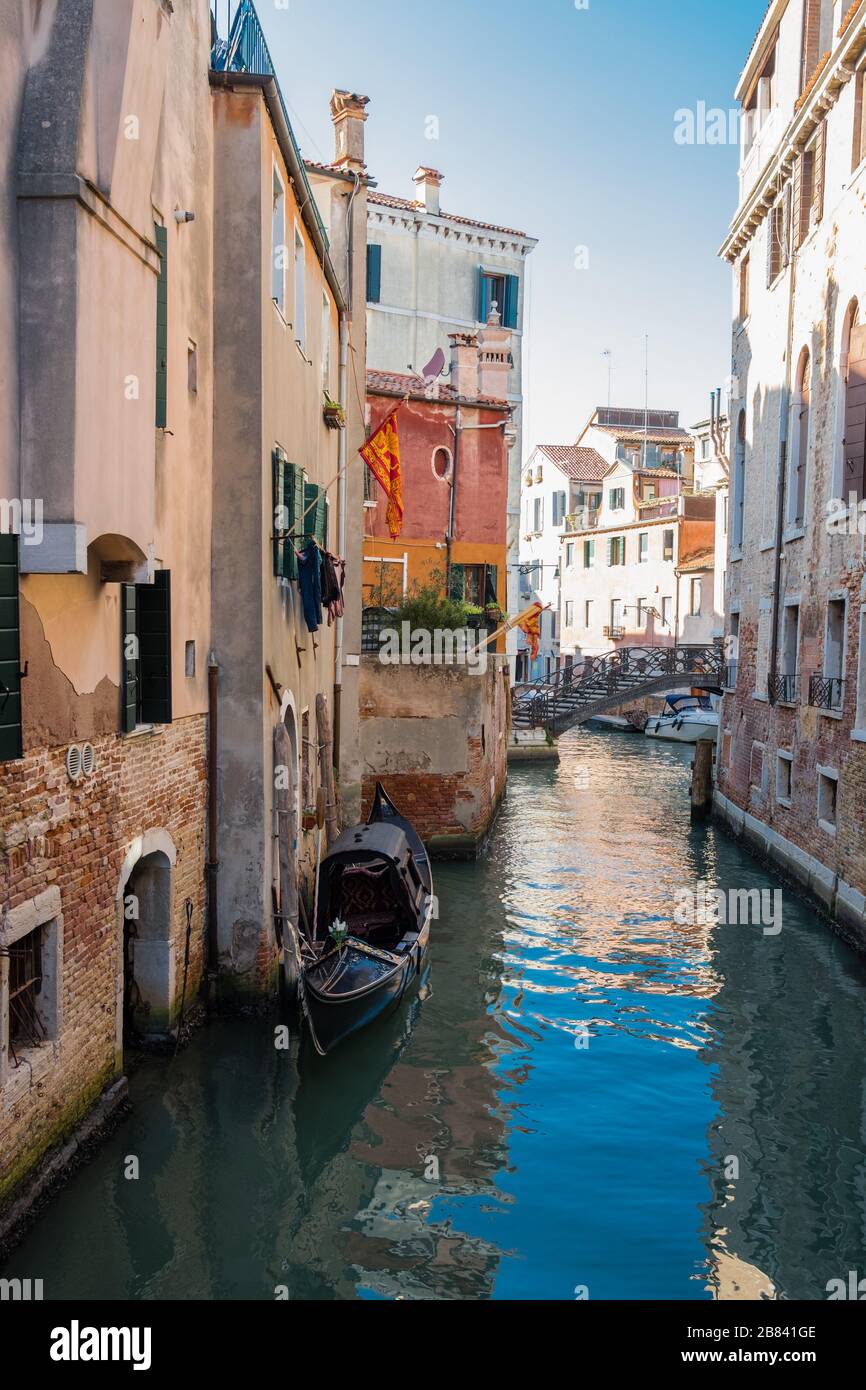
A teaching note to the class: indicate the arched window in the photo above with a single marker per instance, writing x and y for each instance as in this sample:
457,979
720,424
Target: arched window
739,497
852,369
442,463
799,439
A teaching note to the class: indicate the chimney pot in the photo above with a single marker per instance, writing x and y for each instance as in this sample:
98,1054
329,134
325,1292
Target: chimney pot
348,113
430,180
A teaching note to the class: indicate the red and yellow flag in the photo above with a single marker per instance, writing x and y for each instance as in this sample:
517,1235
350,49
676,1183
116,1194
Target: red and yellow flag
381,454
530,626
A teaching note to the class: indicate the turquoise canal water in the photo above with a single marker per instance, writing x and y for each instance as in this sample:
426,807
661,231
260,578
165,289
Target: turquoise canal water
581,1073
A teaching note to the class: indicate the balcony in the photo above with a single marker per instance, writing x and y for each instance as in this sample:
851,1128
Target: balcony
783,690
614,634
826,692
584,520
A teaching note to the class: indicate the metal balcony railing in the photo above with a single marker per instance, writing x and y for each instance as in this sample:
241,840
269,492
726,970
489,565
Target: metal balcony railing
584,520
784,690
614,634
826,692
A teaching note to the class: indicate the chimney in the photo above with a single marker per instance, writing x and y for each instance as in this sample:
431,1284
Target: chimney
464,364
349,114
494,356
431,181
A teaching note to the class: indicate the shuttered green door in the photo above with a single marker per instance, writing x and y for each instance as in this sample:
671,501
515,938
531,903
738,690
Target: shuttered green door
491,583
10,651
457,583
162,329
129,658
154,634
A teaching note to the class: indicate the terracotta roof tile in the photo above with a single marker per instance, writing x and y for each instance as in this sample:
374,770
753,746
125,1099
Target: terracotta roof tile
653,436
701,560
581,464
413,205
415,386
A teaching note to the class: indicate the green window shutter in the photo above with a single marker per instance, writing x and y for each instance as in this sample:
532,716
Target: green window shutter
281,524
162,329
10,652
509,309
129,658
491,583
293,486
316,520
374,273
154,636
457,584
483,295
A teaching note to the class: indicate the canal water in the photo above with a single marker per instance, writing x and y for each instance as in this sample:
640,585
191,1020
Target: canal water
591,1100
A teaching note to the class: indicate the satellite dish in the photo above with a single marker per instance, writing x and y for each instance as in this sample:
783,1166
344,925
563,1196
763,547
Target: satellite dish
434,366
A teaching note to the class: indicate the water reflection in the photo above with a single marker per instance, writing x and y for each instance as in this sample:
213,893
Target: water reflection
563,1109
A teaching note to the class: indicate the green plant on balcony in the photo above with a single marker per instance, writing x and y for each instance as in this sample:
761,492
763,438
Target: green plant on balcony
333,413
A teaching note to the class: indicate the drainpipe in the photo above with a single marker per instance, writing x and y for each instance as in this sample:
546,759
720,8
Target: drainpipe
783,474
341,534
452,501
212,951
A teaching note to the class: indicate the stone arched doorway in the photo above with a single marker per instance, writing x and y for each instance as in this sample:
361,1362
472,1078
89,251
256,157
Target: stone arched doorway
147,976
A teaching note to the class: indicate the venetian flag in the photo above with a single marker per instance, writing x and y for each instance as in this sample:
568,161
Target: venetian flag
381,454
530,626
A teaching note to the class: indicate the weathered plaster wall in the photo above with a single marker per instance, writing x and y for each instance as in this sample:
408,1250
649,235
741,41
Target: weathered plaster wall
435,736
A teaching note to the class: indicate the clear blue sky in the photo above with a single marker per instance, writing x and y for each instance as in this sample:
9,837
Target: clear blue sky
559,121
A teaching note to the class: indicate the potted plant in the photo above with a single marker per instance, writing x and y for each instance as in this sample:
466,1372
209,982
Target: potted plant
333,413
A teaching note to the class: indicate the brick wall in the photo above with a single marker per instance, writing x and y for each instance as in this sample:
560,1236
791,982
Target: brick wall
79,837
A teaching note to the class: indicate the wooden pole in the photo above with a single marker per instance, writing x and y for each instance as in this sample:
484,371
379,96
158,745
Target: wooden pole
506,627
702,779
326,768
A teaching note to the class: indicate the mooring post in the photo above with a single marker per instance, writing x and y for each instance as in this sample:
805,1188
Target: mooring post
702,779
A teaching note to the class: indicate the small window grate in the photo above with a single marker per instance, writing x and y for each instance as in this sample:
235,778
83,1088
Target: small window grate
26,1028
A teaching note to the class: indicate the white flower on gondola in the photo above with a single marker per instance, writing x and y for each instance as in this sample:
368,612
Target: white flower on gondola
339,931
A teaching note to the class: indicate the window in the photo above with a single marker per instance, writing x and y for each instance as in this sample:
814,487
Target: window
569,555
616,614
374,273
559,503
739,483
854,441
828,798
834,651
478,584
538,514
668,545
695,597
616,499
732,651
859,150
307,767
667,611
643,547
790,644
777,249
288,493
10,653
758,767
161,235
800,437
31,936
146,652
278,245
300,293
784,777
817,36
705,449
587,613
616,550
569,613
442,463
326,345
588,554
502,289
189,659
641,614
192,368
808,195
745,264
860,720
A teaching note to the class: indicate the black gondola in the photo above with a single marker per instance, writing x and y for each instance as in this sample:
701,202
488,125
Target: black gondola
372,925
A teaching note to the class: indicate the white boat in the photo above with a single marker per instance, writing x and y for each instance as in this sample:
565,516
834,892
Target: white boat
684,719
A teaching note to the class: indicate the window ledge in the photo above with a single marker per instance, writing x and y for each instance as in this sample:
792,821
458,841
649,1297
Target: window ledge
827,827
371,505
33,1066
832,713
767,545
762,699
796,533
141,730
280,315
735,556
784,801
858,735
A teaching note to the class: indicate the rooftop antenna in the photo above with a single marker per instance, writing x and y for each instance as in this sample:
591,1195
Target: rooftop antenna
609,355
